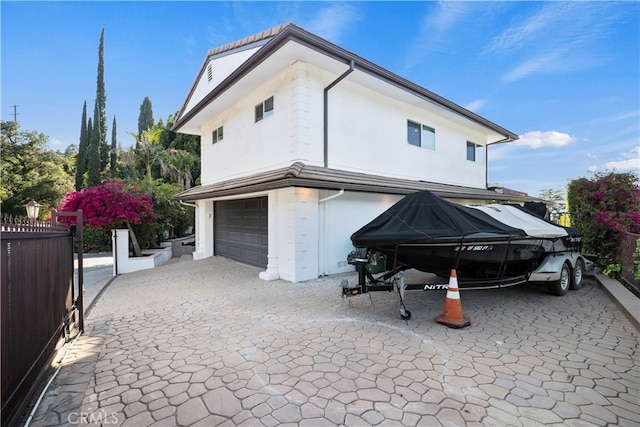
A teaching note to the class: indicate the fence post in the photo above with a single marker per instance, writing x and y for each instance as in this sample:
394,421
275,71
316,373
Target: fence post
79,239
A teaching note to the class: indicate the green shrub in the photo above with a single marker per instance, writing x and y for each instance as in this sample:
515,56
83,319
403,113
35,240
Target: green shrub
96,239
613,271
603,209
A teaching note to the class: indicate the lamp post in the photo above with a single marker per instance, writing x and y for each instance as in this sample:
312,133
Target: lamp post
33,210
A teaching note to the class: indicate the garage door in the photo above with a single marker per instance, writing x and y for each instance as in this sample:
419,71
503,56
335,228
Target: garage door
241,230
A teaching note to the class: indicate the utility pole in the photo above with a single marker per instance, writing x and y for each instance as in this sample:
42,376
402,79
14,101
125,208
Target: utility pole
15,112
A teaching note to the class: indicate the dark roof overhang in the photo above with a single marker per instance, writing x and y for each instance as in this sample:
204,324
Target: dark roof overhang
301,175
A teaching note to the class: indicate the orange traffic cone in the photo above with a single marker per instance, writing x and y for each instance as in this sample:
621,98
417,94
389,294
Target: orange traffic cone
452,315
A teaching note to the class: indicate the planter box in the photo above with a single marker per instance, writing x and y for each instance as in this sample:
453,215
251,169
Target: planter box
181,246
123,263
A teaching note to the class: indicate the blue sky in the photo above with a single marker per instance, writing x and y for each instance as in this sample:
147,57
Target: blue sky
562,75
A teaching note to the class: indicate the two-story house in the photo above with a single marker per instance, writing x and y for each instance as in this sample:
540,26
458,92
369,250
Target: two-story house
303,142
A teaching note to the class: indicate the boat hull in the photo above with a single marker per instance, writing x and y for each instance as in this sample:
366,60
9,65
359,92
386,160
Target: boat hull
475,263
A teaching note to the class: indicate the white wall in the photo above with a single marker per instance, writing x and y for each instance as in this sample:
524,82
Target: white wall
123,263
297,228
204,229
339,218
222,66
249,146
367,133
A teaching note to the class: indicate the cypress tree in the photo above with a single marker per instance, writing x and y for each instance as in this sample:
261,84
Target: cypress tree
100,120
81,160
114,148
145,118
93,153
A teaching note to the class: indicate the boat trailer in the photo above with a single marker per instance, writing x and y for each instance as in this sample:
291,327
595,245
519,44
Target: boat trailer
392,280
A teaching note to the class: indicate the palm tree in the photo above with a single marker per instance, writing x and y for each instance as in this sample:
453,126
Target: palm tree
180,166
173,163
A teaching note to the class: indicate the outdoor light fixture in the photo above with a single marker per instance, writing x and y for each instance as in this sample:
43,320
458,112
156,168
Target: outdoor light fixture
33,209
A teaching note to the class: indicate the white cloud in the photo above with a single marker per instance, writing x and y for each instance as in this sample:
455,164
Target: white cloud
630,163
56,142
332,21
447,16
557,37
476,105
435,30
562,60
545,62
539,139
517,36
624,116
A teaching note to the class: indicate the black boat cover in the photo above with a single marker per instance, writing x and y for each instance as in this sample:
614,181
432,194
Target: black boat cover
423,217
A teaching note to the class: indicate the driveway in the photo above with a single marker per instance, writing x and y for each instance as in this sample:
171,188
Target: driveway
207,343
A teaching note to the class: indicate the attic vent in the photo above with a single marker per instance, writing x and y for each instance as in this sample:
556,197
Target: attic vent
209,73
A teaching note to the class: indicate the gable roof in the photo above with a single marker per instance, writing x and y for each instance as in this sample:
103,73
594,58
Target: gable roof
266,34
299,174
276,37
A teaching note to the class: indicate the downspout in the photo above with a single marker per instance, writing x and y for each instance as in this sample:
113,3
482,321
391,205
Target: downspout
193,205
333,196
486,158
352,67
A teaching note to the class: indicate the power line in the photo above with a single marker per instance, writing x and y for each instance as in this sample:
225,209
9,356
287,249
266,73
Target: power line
15,112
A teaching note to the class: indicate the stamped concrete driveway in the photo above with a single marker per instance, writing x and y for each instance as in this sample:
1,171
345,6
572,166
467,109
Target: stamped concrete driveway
207,343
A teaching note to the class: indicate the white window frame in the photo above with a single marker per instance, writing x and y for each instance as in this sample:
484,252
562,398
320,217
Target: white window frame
426,137
475,152
264,109
217,135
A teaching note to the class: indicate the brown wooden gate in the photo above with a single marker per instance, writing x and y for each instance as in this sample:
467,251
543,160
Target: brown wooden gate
37,308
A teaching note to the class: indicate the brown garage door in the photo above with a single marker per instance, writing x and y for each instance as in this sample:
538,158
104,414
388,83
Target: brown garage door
241,230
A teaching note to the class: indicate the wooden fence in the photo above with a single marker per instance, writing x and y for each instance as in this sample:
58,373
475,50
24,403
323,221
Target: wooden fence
37,307
627,261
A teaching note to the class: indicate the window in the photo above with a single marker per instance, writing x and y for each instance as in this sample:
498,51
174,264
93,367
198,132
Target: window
475,152
218,134
264,109
421,135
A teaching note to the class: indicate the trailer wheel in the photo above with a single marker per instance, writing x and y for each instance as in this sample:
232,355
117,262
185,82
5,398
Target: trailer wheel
561,286
578,275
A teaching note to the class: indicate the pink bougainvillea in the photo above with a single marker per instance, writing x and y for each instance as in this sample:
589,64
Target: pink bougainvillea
109,205
604,208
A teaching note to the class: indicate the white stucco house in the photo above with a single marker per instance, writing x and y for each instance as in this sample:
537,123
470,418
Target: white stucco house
304,142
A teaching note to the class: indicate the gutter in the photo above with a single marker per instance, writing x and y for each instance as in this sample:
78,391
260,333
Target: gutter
352,66
486,154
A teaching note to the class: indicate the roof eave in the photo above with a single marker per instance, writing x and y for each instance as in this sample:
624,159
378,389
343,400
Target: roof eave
292,32
301,175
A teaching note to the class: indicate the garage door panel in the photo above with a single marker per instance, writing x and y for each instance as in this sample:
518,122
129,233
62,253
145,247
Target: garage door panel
235,236
253,239
241,230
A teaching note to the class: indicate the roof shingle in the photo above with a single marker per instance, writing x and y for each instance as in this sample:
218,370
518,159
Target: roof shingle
299,174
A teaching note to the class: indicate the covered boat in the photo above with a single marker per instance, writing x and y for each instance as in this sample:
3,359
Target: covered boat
492,244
